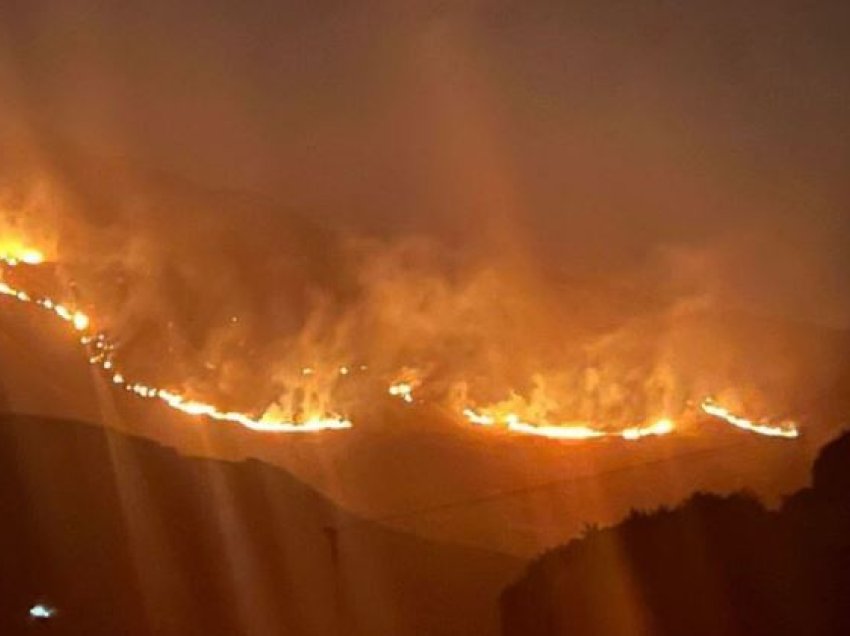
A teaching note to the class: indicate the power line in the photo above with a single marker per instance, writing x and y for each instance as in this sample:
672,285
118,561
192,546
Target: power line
527,490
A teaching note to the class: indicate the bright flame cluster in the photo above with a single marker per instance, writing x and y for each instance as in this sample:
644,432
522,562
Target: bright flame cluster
787,430
566,431
14,254
402,390
101,354
405,383
77,319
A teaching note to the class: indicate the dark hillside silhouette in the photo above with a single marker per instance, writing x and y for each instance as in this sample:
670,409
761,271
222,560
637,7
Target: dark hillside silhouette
712,566
123,536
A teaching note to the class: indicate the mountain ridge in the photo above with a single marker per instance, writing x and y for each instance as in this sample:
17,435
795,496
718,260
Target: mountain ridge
173,544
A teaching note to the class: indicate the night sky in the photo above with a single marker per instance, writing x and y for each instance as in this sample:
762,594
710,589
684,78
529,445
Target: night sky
605,135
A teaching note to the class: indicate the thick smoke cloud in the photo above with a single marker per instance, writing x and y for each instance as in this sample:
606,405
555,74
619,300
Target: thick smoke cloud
227,296
608,210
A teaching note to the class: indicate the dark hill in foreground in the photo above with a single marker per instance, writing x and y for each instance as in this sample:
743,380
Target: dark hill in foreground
124,536
712,566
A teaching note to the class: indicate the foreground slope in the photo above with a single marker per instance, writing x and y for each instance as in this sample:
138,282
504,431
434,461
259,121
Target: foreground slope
711,566
125,536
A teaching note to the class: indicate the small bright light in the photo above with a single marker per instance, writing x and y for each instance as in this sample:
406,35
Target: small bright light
81,321
42,611
32,257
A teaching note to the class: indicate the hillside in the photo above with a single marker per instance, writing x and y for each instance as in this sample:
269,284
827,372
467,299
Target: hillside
160,254
423,471
713,565
174,545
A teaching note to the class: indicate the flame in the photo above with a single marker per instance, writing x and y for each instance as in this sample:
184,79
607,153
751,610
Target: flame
659,428
663,426
77,319
264,424
478,418
13,253
788,430
102,356
565,431
402,390
552,431
402,387
80,321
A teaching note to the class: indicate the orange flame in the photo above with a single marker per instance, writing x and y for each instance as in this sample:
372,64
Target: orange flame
404,384
402,390
788,430
565,431
102,357
13,254
101,354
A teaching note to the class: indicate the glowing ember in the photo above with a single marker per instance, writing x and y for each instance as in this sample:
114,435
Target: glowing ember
661,427
402,390
403,386
80,321
788,430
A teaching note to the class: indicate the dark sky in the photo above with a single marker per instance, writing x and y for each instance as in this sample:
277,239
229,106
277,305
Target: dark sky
604,131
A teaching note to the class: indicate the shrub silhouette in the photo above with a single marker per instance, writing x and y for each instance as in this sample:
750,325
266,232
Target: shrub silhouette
712,566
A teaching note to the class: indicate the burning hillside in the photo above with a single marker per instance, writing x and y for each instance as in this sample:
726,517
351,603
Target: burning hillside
306,408
226,308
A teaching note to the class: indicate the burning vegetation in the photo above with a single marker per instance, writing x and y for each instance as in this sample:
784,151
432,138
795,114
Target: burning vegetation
304,330
308,407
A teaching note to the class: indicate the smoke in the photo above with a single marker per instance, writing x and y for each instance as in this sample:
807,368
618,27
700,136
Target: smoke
197,303
586,212
229,296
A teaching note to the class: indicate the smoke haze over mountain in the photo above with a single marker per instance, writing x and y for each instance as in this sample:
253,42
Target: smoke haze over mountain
497,177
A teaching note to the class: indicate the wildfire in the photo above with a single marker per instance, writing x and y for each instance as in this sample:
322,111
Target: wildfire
661,427
263,424
568,430
658,428
77,319
13,254
101,354
556,431
404,384
788,430
402,390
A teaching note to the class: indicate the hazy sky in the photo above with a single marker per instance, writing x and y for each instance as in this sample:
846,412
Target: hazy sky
604,131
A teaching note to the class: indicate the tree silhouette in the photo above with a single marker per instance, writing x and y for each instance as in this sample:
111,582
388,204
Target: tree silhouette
714,565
